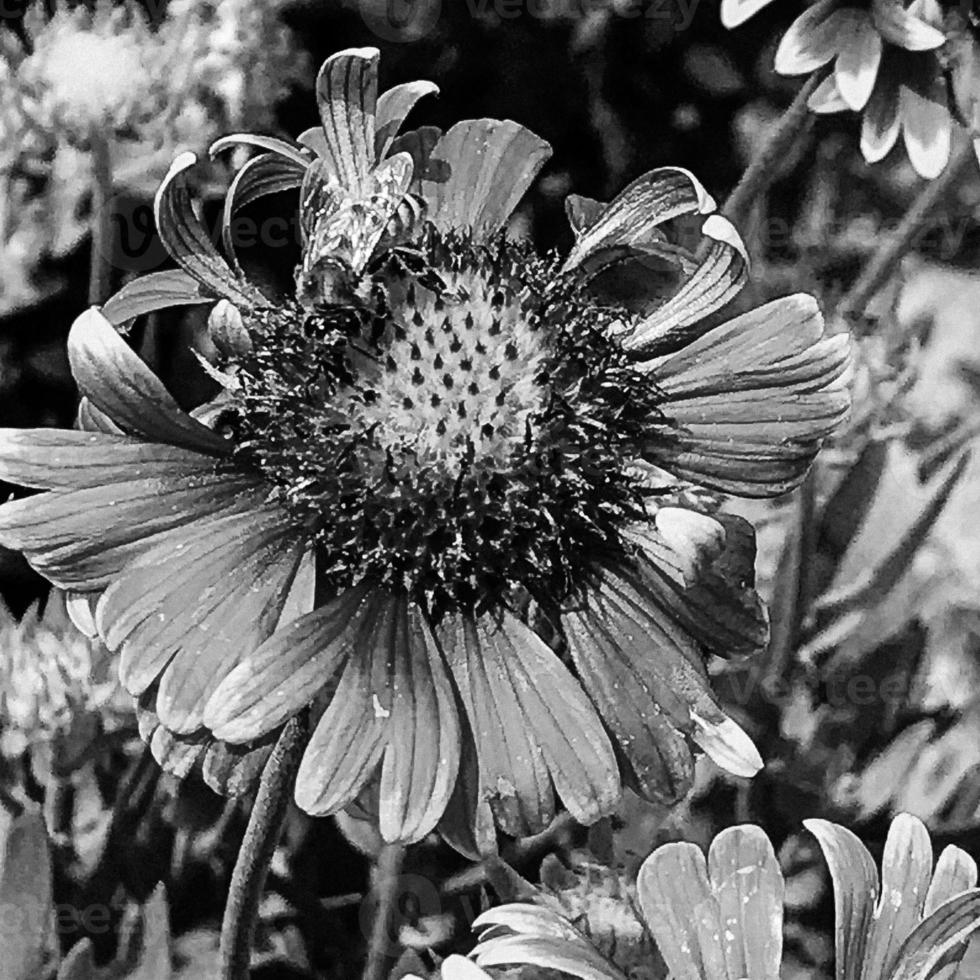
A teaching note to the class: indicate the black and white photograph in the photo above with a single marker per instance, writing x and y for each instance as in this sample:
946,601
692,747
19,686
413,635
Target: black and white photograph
489,489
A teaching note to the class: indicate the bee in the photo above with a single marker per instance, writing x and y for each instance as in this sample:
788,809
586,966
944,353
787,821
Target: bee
344,227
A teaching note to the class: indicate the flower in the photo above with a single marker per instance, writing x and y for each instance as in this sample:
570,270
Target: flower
887,64
57,687
492,458
723,918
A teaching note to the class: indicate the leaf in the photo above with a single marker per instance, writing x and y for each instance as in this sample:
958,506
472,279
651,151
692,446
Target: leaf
155,961
855,879
25,894
79,964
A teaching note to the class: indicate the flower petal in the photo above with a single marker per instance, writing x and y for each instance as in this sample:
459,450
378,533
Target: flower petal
82,539
941,940
154,291
746,404
182,594
69,459
347,94
420,765
274,681
529,718
726,743
881,120
855,881
736,12
233,770
718,279
245,616
681,912
956,872
393,106
906,869
287,151
575,959
636,213
898,26
117,382
714,600
857,64
188,243
352,734
748,885
826,98
638,669
814,38
926,130
478,172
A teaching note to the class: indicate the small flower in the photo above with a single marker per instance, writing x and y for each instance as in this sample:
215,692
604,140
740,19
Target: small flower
723,918
887,64
496,461
57,686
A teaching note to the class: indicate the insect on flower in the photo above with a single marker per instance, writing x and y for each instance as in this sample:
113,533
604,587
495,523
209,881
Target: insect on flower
498,466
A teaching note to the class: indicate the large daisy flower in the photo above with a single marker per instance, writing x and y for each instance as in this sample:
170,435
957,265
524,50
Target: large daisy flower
495,460
887,65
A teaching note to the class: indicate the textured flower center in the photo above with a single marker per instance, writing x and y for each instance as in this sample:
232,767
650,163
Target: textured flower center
465,434
458,377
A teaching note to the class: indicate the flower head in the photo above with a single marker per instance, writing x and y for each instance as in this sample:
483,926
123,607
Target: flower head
887,58
495,460
57,686
723,917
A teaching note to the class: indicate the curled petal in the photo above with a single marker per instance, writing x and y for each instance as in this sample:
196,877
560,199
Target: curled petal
635,215
188,243
347,94
393,106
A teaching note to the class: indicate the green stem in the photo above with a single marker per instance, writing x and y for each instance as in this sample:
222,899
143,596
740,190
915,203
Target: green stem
261,837
765,165
893,247
389,873
100,262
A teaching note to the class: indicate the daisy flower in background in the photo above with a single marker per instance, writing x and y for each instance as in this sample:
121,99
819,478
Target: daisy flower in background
498,467
722,918
887,64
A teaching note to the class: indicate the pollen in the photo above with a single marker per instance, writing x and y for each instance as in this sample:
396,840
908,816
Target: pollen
460,376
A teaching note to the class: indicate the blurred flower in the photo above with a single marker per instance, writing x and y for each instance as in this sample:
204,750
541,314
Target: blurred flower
494,456
887,65
58,688
723,918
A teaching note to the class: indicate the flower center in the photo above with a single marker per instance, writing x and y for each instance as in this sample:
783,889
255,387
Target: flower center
457,378
465,434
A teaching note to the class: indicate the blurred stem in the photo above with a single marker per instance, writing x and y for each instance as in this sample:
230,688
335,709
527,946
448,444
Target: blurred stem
765,165
389,869
894,247
100,263
261,837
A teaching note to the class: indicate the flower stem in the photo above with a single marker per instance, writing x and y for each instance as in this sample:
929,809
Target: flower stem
764,166
261,837
894,247
100,262
389,872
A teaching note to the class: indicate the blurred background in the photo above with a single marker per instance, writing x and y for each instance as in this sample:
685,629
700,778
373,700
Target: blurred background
868,701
